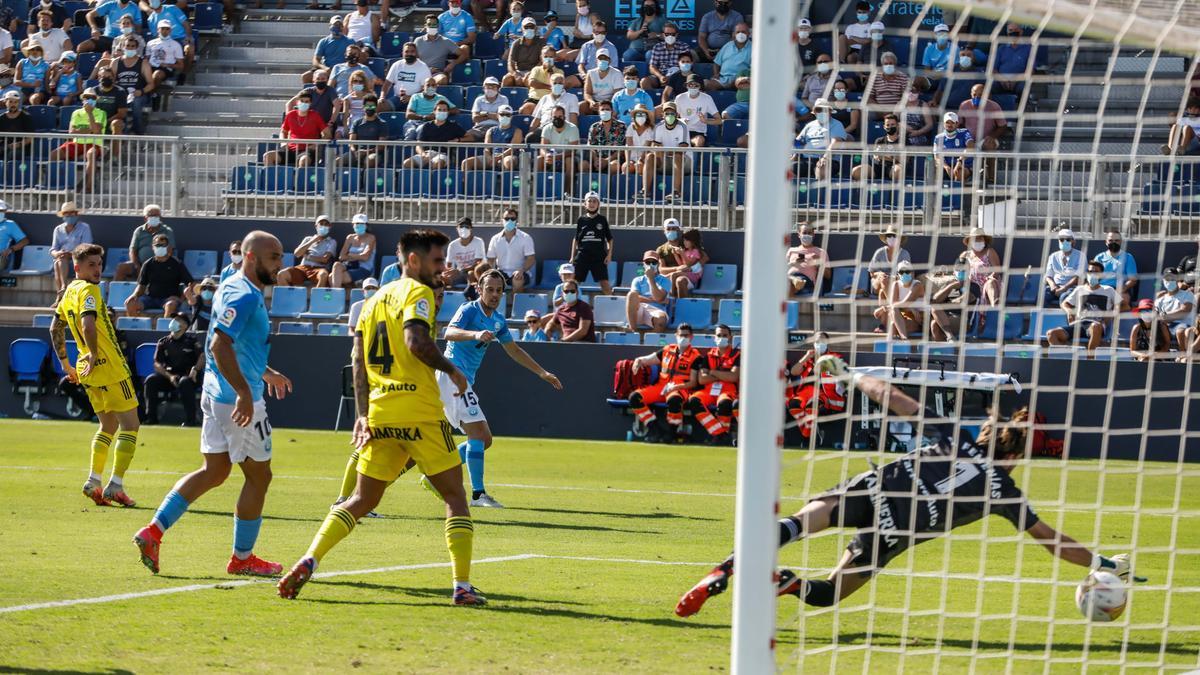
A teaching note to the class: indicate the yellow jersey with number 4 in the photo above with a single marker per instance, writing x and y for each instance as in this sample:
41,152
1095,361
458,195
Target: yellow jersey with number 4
403,388
80,299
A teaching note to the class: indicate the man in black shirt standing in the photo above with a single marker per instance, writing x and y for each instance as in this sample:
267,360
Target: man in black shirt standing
178,364
159,282
592,247
950,482
15,121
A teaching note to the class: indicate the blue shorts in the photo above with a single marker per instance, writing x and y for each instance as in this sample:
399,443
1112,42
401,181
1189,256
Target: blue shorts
152,303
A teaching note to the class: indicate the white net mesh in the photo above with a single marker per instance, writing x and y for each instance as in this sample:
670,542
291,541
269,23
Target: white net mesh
1095,145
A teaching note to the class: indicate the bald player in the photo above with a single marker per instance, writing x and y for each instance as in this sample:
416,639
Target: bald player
235,429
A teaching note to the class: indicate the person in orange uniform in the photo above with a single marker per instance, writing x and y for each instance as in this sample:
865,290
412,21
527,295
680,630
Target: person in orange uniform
829,393
678,376
718,387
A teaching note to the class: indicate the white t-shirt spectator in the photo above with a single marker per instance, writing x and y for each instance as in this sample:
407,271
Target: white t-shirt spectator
406,78
693,111
637,139
51,44
605,85
355,312
6,41
163,53
1168,304
861,31
510,255
545,107
671,138
1102,302
462,256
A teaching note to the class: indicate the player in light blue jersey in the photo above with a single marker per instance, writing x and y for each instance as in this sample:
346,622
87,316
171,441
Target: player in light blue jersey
235,428
473,328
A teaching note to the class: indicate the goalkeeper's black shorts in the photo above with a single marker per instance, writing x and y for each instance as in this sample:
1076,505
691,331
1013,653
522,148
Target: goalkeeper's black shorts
856,508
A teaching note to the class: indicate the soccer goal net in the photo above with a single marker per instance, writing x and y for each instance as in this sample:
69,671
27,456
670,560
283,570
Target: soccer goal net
1007,220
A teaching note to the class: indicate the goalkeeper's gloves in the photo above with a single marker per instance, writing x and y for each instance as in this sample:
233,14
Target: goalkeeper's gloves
1118,565
831,365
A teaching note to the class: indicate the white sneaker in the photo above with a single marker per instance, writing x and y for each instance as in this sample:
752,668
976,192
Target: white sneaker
485,500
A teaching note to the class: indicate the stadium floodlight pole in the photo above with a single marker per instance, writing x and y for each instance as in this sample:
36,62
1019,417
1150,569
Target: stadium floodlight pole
760,432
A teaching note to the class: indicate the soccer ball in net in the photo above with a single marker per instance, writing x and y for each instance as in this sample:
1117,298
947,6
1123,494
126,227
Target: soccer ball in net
1101,596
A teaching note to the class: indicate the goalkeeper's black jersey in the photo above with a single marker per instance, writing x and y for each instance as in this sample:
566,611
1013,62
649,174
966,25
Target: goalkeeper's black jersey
944,484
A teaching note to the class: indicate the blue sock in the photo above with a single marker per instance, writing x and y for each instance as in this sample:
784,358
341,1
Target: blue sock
172,507
475,464
462,451
245,533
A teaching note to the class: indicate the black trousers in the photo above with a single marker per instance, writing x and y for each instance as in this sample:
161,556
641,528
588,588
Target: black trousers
158,385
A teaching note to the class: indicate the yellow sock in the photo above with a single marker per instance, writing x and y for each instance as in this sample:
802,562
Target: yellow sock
100,443
337,525
125,446
460,536
350,478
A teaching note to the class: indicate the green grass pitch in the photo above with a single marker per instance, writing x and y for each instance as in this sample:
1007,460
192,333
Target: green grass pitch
587,563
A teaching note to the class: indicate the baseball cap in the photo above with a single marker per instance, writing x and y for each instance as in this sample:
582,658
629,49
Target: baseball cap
11,94
1066,233
324,217
592,195
504,110
566,268
528,21
3,205
359,218
941,28
604,52
370,282
532,314
821,103
335,19
694,77
1143,305
551,15
68,56
904,266
805,23
672,224
670,105
491,80
165,24
650,255
950,116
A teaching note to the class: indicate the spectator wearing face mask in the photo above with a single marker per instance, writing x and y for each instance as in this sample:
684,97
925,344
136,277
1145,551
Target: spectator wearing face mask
640,134
349,108
842,110
68,235
316,254
572,320
901,313
330,50
133,76
235,260
201,304
552,156
590,51
858,34
533,327
719,378
951,148
671,133
162,284
966,72
885,260
1176,307
885,161
301,124
422,108
808,264
697,110
807,400
53,41
31,75
178,365
321,97
1090,309
600,84
111,12
1149,337
679,375
552,33
65,83
664,58
142,241
646,302
405,78
890,85
688,265
168,58
511,251
503,143
566,272
1185,133
369,287
341,74
592,246
1120,268
1012,58
606,132
733,59
463,254
441,54
630,97
645,31
815,142
959,294
546,109
807,47
356,261
938,53
511,29
458,26
364,131
1064,269
479,10
983,266
540,81
716,28
524,55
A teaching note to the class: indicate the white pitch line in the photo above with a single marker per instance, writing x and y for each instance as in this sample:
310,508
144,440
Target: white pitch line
240,582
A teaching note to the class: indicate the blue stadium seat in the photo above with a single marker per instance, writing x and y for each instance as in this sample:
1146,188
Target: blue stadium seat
1153,198
585,123
695,311
332,329
295,328
16,174
1042,322
704,340
487,46
143,358
642,66
383,263
391,44
200,263
1022,289
325,303
64,113
658,339
609,311
58,176
589,285
723,98
454,94
732,130
118,293
843,283
80,34
443,184
207,17
478,184
718,280
729,312
357,294
704,70
112,258
508,185
309,180
1187,200
470,72
451,301
1013,323
395,123
617,337
72,358
1124,327
523,302
549,185
630,271
496,68
378,182
26,357
243,179
42,320
549,276
134,323
288,302
275,180
793,315
349,181
162,324
1008,102
35,261
378,66
45,118
620,189
411,183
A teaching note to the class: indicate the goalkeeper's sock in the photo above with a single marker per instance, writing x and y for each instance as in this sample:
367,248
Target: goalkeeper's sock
460,538
100,443
245,533
818,593
338,524
789,530
124,448
474,454
350,477
173,506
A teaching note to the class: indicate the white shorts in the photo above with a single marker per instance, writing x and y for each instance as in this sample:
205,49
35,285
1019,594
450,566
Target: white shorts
459,409
220,435
646,313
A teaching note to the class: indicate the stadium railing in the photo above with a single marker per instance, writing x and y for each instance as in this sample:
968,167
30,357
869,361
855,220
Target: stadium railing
1005,191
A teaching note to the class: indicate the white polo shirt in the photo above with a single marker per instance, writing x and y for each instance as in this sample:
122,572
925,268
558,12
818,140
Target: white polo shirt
510,255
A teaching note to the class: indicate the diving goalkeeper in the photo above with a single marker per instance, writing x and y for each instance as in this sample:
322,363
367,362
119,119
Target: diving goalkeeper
951,481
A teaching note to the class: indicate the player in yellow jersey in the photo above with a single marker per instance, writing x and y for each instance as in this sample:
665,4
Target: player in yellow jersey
400,414
103,372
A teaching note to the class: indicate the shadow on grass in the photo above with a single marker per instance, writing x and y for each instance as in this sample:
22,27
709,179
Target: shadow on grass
531,524
45,671
229,514
893,640
654,515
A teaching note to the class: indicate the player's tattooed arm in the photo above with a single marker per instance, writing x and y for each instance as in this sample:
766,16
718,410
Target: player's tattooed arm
58,337
422,346
361,388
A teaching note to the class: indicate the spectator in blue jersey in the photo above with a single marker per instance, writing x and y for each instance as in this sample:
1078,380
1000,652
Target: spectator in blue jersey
330,51
235,260
111,11
645,31
951,148
816,140
478,10
476,325
1120,269
586,60
939,52
181,30
510,30
646,303
631,96
31,75
551,34
1064,269
12,237
533,327
392,272
457,25
1012,58
953,89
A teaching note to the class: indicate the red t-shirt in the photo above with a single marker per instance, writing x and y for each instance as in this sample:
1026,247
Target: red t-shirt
570,316
309,126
